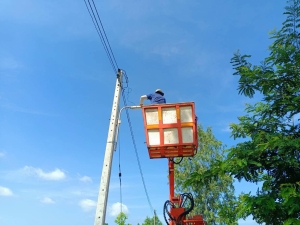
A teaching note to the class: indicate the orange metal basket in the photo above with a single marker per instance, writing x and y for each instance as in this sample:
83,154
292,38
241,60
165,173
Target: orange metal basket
171,130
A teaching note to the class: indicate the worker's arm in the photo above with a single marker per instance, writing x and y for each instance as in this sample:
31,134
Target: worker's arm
143,98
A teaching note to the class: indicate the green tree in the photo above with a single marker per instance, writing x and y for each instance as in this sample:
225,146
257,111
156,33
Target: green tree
270,150
121,219
214,199
150,221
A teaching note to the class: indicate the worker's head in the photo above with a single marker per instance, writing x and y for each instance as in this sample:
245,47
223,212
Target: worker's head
159,91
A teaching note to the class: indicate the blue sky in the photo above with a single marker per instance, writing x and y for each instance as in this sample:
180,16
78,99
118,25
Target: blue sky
57,85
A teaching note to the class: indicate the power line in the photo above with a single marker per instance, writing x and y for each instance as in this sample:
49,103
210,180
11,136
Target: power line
113,56
134,145
115,67
100,31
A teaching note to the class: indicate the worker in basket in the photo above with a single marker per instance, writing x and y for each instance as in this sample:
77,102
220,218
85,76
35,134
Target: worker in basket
156,98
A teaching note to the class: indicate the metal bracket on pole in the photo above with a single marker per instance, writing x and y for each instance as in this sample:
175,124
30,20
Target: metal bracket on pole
110,144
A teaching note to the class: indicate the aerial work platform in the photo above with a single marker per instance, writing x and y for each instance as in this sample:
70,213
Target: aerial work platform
171,130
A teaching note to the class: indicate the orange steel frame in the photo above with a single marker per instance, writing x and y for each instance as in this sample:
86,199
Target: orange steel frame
167,150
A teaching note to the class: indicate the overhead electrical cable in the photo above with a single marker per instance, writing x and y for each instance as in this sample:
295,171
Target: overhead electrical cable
134,145
104,41
113,62
113,56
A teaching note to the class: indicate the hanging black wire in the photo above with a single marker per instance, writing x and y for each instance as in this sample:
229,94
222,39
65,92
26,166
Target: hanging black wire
187,202
112,53
120,174
167,208
105,42
134,144
176,162
115,67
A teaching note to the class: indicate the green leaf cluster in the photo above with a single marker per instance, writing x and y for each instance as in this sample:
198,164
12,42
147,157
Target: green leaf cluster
152,221
121,219
271,152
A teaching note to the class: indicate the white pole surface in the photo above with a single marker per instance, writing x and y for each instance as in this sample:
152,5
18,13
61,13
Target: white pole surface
106,171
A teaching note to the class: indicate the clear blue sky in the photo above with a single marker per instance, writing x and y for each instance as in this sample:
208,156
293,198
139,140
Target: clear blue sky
57,85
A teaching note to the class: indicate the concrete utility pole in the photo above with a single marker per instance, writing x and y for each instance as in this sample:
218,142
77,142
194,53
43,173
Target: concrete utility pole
110,146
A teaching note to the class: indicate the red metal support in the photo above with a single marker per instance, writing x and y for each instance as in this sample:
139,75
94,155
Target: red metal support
171,178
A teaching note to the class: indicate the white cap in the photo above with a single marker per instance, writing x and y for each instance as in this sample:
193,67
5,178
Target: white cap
159,90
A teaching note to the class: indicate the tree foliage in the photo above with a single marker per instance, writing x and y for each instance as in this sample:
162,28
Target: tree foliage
214,199
150,221
121,219
270,154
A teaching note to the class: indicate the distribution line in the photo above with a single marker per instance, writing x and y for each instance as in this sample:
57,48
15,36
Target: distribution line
105,41
113,56
115,67
136,152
